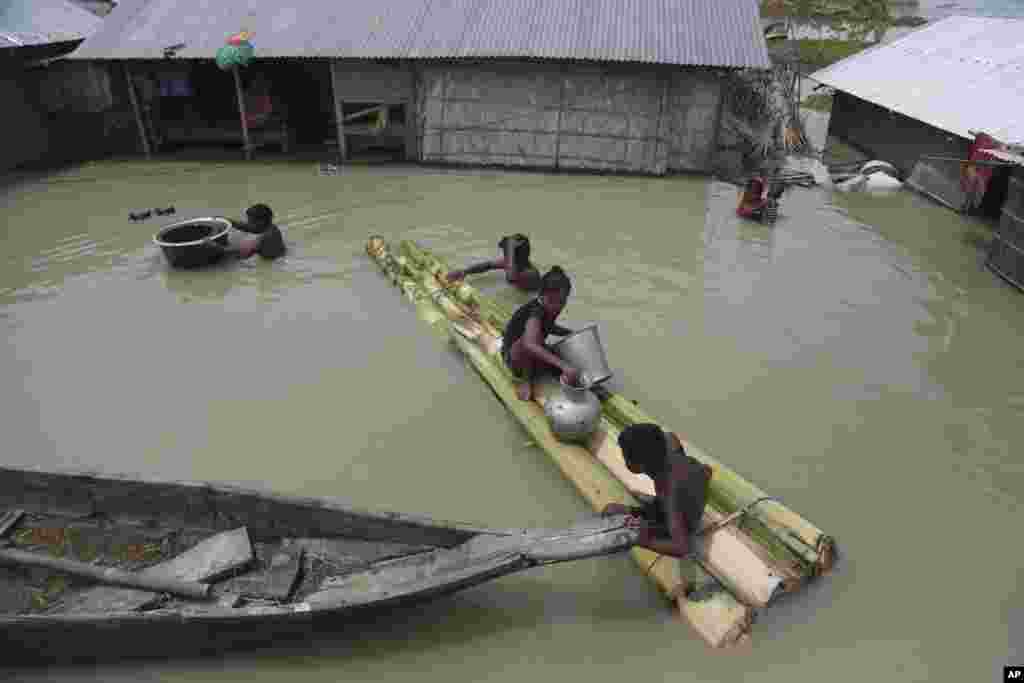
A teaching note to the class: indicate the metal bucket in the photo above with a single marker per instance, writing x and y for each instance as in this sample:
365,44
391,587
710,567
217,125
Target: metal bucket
583,350
192,243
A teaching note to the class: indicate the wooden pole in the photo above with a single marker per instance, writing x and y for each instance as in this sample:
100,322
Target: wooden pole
342,151
138,113
662,109
108,575
563,76
241,110
980,162
712,153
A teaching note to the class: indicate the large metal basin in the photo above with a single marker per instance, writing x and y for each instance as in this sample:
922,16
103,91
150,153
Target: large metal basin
583,349
193,243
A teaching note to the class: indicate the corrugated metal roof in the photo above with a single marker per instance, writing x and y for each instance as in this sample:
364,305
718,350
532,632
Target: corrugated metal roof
721,33
38,22
959,74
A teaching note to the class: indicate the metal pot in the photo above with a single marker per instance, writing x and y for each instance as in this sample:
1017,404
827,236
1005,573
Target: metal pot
583,350
573,412
194,242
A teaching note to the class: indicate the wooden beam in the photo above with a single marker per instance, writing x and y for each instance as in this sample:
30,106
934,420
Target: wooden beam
364,112
138,113
241,111
336,96
563,75
716,133
412,116
662,113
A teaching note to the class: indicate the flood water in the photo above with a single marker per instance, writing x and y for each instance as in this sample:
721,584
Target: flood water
856,361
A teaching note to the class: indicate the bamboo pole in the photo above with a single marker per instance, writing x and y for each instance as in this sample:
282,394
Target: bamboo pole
980,162
241,111
720,620
342,150
107,575
138,113
788,537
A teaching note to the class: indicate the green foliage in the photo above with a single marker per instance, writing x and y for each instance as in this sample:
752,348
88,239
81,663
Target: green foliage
819,53
859,18
817,102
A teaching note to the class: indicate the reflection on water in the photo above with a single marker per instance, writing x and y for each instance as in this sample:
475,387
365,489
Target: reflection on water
855,359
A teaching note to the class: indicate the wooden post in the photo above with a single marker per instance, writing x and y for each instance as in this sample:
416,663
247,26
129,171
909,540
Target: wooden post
719,110
412,115
662,113
563,76
138,113
342,151
241,110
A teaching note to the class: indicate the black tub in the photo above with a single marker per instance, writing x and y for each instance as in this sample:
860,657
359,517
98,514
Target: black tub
193,243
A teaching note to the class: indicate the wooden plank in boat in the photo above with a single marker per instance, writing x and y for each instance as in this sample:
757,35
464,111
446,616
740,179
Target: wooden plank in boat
214,558
275,576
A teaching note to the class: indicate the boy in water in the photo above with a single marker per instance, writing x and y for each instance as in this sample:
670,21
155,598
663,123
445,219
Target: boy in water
514,260
268,241
524,350
670,520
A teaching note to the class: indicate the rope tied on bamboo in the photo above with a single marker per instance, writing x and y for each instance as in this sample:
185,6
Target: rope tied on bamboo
711,528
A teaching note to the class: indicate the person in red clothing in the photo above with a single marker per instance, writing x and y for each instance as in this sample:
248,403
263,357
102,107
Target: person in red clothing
756,197
974,178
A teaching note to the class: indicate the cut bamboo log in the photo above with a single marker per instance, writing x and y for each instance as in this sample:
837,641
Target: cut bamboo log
720,619
107,575
787,536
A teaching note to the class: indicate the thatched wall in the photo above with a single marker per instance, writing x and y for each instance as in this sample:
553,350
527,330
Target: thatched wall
612,118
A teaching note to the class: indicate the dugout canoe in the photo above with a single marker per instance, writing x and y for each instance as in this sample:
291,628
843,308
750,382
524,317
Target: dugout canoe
204,567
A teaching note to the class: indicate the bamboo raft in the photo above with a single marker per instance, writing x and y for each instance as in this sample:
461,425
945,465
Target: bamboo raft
759,548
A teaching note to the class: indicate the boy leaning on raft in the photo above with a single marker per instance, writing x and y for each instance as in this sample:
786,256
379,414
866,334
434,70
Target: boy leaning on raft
513,258
668,522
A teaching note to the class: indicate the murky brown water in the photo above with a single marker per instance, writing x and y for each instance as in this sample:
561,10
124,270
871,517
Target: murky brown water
855,360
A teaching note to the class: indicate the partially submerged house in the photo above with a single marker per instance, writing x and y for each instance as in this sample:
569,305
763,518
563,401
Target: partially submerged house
926,93
31,33
919,103
615,85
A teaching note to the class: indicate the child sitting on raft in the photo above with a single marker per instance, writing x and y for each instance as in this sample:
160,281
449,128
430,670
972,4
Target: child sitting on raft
524,350
514,259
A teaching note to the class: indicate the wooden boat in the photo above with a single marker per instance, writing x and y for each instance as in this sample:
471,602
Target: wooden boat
767,549
96,564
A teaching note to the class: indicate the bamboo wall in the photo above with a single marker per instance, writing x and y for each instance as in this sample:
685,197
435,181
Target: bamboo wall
613,118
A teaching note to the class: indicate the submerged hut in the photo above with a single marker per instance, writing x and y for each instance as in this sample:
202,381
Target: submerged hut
32,32
927,93
948,92
615,85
